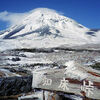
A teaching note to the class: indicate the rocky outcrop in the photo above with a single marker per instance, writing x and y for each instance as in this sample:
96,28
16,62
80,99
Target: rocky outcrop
14,85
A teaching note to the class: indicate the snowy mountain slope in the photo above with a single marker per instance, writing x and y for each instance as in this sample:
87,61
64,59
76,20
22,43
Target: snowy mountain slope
98,36
45,28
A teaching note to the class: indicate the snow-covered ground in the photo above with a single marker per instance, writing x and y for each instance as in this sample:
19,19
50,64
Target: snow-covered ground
59,57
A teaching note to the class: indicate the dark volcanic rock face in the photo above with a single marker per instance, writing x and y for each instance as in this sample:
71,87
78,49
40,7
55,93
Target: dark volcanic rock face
15,85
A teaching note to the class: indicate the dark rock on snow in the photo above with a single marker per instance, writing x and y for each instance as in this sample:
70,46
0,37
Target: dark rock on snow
15,85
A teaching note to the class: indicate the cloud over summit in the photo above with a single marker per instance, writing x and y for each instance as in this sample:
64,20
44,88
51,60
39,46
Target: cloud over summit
12,18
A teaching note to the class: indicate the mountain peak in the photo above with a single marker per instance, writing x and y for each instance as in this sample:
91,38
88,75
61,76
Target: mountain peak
44,10
43,14
49,27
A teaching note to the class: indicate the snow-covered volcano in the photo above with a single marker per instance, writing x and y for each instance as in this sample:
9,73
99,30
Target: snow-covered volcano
45,28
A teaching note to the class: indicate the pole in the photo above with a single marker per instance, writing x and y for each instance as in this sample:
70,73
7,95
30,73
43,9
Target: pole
43,95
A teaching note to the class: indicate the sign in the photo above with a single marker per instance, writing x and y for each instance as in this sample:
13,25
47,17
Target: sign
56,80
